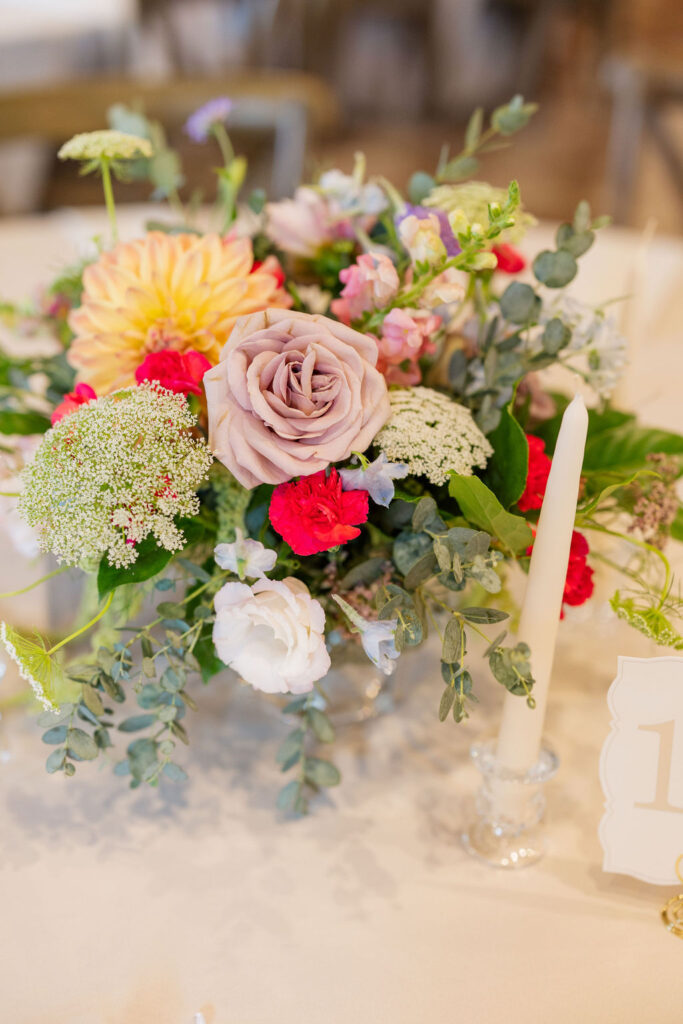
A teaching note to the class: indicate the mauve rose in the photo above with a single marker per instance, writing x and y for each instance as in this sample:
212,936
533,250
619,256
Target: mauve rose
292,393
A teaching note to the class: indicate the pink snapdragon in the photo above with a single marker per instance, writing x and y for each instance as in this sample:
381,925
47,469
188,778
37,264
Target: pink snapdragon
406,337
370,283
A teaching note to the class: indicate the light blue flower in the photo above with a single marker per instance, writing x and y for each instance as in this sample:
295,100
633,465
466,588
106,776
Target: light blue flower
377,478
378,637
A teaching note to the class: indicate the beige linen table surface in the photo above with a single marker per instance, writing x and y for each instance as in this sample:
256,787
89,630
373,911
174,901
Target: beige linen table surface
122,907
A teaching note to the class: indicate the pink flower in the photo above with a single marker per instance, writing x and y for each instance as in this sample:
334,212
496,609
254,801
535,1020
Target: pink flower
180,372
406,336
81,395
302,225
292,393
370,283
421,236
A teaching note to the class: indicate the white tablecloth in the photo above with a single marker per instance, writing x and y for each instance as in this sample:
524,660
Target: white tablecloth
121,907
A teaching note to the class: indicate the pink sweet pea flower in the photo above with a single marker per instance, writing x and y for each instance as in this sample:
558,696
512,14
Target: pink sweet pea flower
370,283
81,395
406,336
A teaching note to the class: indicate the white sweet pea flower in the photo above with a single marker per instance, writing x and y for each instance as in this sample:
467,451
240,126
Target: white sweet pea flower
245,557
378,637
377,478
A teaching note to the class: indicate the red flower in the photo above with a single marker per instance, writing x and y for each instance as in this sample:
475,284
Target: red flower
313,513
537,475
579,585
271,265
180,372
81,395
510,260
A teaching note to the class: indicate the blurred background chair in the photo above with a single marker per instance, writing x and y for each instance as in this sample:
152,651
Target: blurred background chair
316,80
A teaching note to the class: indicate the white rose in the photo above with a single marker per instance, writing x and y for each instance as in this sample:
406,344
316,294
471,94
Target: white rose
272,634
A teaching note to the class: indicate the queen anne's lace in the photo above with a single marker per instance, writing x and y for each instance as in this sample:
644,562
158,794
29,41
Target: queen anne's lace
114,472
432,434
108,143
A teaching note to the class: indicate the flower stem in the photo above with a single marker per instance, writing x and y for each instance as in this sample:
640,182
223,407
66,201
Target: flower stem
84,629
109,198
23,590
223,139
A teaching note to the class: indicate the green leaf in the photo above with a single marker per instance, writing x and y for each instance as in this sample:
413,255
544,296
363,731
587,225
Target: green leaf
677,525
555,269
506,471
48,719
459,168
363,573
409,548
291,746
520,304
287,797
321,773
151,559
55,761
420,571
446,703
576,243
626,448
473,131
23,422
321,725
555,337
137,722
480,506
81,745
92,700
452,642
174,772
55,735
486,616
205,654
419,187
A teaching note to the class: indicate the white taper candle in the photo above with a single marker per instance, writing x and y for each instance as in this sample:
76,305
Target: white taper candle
519,740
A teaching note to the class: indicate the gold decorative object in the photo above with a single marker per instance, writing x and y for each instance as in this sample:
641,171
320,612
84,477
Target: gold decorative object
672,911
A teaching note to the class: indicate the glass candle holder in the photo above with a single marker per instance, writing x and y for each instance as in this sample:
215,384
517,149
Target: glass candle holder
507,831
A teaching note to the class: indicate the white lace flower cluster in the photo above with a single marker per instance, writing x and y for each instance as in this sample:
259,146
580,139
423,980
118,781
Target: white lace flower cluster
107,143
432,434
114,472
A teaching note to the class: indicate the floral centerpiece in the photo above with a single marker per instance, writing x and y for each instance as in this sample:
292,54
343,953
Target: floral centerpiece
320,421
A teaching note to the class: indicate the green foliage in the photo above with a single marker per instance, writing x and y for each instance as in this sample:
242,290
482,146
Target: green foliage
506,471
296,751
151,560
480,506
520,304
22,422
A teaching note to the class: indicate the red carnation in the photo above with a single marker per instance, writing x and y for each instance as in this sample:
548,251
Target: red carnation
510,260
81,395
313,513
537,475
180,372
579,585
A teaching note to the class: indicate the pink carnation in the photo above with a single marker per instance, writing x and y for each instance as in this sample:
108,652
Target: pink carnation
370,283
406,337
302,225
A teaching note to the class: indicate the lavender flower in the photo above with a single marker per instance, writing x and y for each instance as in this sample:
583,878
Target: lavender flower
199,124
377,478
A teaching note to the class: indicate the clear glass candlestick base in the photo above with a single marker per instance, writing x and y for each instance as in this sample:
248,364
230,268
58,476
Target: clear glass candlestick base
507,831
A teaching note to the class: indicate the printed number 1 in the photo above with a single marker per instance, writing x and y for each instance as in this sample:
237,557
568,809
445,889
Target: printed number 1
666,747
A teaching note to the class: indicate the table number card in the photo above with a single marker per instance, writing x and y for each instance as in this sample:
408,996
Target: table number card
641,770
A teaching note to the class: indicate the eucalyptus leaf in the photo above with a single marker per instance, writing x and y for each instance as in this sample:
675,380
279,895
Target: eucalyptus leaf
136,722
555,269
81,745
55,761
446,703
55,735
485,616
520,304
321,773
321,725
174,772
453,639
